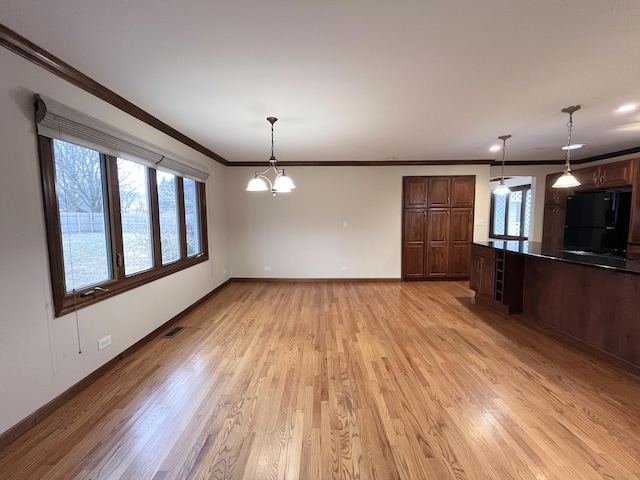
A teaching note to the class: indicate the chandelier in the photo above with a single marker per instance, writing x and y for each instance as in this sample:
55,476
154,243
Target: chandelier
261,182
567,180
502,189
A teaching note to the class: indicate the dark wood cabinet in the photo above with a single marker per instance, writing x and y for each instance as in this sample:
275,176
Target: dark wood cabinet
618,174
553,225
460,238
588,178
414,248
555,200
483,271
463,191
497,276
438,242
415,192
437,227
439,192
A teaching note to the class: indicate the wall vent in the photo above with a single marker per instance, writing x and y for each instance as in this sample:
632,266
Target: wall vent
173,332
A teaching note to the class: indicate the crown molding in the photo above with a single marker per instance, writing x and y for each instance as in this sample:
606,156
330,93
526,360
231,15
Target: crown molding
32,52
364,163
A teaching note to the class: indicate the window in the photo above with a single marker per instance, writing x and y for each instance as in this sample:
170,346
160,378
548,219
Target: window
511,214
115,223
169,228
135,211
81,202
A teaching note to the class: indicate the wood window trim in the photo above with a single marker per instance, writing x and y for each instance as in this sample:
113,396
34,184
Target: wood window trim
492,235
68,302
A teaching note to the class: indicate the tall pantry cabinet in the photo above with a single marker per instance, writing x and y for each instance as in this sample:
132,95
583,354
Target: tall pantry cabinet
437,226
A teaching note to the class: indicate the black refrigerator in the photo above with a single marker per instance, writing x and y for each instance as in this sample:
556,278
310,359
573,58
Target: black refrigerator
598,222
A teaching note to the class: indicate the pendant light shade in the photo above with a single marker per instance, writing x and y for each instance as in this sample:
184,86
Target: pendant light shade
261,182
502,189
257,185
567,180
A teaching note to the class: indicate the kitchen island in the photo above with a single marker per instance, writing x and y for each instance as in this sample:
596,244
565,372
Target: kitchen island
592,298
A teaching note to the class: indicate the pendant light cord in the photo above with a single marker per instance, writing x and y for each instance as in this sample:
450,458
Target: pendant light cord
570,125
504,139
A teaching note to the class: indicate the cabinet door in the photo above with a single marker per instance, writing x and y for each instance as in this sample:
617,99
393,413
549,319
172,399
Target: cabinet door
414,244
475,273
439,192
588,178
554,196
553,225
463,191
487,278
415,192
460,236
438,243
616,174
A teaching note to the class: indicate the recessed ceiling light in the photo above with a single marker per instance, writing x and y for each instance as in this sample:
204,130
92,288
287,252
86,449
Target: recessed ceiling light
630,107
495,148
573,146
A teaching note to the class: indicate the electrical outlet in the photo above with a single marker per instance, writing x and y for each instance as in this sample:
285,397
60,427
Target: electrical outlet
345,269
267,269
104,342
479,222
345,224
224,272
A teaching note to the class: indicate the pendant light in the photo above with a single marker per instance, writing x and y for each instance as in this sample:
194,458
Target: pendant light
567,180
261,183
502,189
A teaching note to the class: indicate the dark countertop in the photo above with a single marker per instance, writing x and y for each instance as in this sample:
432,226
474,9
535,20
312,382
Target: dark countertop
537,249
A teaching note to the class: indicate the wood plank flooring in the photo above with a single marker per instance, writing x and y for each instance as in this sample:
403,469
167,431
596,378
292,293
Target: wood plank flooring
345,381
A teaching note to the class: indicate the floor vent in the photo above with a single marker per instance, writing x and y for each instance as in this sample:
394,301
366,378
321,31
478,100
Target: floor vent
173,332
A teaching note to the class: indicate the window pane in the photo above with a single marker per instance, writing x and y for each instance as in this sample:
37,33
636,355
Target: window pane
515,212
136,222
168,203
527,213
500,206
85,234
192,217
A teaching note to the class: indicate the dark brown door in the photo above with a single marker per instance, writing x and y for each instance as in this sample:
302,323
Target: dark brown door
487,278
438,242
415,228
463,191
616,174
588,177
415,192
475,273
553,225
439,192
460,237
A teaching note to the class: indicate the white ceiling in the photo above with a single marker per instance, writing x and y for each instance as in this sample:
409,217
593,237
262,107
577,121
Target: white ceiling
360,80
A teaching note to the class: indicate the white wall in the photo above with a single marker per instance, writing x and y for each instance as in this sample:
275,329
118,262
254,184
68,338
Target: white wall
300,235
39,356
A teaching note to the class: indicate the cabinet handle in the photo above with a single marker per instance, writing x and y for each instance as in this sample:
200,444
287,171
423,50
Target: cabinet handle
424,213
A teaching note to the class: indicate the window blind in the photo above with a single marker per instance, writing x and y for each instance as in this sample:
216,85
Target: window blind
55,120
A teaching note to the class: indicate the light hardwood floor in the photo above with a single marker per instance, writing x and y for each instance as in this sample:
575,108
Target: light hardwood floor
349,381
